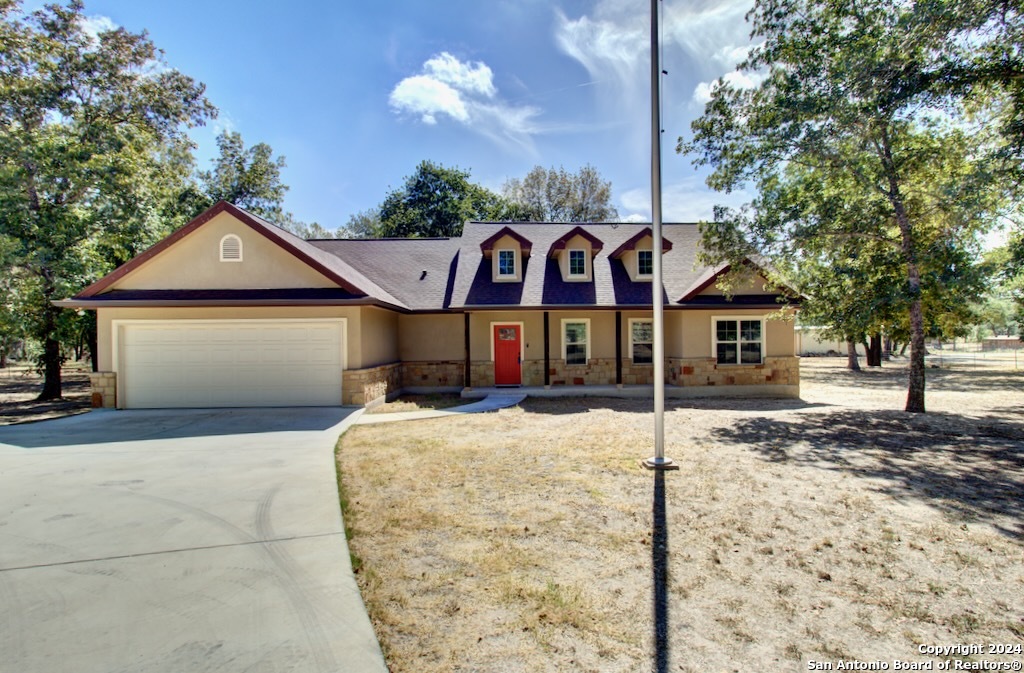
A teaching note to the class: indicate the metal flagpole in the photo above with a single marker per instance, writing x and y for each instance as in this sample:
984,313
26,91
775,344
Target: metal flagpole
658,461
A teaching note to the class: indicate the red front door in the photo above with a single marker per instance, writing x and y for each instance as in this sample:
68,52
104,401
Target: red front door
507,365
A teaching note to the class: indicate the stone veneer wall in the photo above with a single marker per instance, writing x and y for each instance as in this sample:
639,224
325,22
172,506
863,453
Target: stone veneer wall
103,386
597,371
707,372
434,374
363,386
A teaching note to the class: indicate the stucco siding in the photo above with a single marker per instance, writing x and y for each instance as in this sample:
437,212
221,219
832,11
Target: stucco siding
379,330
193,263
434,337
696,332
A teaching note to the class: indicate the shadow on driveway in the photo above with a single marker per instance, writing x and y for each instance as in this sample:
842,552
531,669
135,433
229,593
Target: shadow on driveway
105,426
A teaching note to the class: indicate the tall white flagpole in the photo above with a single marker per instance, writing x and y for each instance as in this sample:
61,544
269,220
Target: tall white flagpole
658,460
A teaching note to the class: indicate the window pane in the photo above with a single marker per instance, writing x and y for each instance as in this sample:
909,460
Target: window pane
726,330
643,332
726,354
750,330
643,354
577,263
506,334
750,353
506,263
576,332
576,354
645,262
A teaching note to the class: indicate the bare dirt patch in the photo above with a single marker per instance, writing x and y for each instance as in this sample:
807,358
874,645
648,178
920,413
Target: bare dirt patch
19,387
827,528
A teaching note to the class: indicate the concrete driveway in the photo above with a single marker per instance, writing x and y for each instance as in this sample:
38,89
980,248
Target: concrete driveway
174,541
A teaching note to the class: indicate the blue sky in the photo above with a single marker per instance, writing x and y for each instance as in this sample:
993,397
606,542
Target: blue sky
356,94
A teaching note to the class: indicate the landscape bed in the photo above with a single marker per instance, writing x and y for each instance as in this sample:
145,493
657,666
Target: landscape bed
834,527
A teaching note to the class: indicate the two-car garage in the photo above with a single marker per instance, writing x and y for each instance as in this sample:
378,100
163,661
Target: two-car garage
229,363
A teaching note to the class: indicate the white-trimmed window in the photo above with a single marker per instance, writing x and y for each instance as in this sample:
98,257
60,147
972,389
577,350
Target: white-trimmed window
644,263
231,249
576,340
577,263
641,341
506,263
738,341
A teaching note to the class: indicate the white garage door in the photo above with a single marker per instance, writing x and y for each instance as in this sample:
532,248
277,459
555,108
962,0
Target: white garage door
231,363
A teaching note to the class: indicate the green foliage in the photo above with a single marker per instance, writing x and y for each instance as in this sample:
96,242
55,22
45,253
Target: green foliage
83,124
870,179
559,196
436,201
249,178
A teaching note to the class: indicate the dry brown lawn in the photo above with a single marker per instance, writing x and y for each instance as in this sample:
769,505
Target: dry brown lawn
834,527
19,387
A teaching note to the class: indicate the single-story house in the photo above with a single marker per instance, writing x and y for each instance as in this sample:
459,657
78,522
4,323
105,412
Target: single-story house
231,310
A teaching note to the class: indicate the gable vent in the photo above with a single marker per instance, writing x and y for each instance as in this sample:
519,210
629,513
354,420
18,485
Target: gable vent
231,249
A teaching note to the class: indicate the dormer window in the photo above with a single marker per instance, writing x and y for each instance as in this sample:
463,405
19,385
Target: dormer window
231,249
644,263
506,263
577,263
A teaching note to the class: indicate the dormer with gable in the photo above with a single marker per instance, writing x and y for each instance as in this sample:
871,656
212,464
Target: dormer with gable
575,252
637,255
507,251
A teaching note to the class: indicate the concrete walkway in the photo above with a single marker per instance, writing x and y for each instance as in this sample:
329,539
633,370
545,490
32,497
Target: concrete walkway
184,540
492,402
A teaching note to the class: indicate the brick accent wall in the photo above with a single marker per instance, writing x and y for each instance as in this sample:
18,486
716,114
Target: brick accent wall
707,372
103,386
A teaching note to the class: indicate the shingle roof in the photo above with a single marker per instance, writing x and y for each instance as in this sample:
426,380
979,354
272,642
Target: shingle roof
542,279
440,274
417,271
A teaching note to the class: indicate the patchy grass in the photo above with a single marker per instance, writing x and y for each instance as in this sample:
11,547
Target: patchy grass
832,527
427,402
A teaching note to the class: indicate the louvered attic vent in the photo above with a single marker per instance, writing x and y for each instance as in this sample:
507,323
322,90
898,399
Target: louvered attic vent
231,249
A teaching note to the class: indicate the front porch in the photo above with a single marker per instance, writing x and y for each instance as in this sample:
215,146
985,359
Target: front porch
783,391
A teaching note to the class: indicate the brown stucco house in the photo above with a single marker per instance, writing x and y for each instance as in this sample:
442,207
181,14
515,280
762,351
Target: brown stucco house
231,310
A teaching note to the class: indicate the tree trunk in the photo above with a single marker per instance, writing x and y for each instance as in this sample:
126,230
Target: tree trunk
874,351
915,379
851,357
51,349
94,344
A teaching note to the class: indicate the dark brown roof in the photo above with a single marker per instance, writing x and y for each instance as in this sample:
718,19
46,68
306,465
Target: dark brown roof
542,284
630,244
524,244
595,243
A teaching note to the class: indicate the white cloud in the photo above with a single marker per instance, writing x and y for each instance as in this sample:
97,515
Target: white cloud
465,93
428,97
740,80
468,77
94,25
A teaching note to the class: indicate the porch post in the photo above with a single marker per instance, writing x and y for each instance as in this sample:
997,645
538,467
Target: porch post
547,351
469,365
618,348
